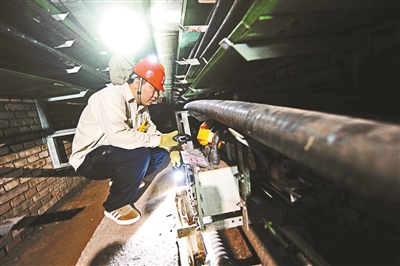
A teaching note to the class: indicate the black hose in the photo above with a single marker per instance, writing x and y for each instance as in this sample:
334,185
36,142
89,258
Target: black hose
214,154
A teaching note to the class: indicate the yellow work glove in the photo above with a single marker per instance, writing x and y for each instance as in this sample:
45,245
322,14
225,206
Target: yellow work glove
175,158
166,140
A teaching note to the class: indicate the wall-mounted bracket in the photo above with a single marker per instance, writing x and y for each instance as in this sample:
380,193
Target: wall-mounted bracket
267,49
67,97
196,28
54,150
214,226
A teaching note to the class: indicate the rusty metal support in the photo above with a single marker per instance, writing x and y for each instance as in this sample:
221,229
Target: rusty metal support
263,253
360,155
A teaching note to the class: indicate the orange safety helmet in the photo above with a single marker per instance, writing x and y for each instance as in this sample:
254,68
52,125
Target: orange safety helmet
152,71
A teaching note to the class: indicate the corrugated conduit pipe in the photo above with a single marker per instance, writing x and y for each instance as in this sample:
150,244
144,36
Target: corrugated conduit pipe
215,250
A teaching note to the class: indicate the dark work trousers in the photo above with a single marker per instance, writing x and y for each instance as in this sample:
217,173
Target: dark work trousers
127,168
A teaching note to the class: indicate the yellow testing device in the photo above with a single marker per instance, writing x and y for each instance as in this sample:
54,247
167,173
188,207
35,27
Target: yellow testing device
144,126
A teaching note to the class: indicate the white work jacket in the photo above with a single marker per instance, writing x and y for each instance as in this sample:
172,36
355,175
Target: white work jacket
112,117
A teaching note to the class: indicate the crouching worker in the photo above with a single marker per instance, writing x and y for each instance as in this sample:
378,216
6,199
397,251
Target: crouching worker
115,138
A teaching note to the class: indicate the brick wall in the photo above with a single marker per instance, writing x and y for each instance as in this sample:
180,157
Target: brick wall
63,115
362,83
29,184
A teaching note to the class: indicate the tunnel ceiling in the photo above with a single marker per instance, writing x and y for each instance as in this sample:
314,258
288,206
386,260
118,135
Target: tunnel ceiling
45,56
54,48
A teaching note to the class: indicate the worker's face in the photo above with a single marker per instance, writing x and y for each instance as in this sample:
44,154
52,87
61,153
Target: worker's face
149,94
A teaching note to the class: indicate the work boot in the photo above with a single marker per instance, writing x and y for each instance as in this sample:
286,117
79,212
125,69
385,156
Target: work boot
124,215
141,183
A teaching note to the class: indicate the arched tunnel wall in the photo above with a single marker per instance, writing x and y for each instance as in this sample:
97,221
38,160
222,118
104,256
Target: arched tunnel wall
30,186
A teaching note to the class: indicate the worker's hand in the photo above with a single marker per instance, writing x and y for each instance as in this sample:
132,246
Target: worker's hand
167,141
175,158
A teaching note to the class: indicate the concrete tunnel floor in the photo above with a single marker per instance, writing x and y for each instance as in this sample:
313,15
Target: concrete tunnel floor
89,238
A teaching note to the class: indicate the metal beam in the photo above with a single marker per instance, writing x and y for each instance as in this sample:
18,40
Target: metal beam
292,47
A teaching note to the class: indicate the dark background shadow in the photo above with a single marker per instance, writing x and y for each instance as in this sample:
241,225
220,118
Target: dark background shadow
47,218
